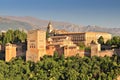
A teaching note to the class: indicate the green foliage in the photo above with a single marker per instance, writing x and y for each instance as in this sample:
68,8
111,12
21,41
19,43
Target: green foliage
87,48
19,36
13,36
56,56
101,40
57,68
109,42
47,35
8,37
115,41
81,46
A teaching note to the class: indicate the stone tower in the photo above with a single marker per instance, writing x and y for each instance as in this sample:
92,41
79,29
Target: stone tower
10,51
36,45
95,49
49,27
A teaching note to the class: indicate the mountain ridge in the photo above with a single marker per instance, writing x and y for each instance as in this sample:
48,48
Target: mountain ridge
36,23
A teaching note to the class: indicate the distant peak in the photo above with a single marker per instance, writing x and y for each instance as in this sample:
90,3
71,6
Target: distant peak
92,26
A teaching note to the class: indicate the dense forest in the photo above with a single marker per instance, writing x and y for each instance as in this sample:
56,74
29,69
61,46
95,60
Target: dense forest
60,68
13,36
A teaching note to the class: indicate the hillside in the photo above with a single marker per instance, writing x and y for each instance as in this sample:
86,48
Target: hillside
13,24
114,31
42,24
34,23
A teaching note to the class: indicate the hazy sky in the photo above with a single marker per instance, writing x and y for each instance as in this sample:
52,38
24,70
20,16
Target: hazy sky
105,13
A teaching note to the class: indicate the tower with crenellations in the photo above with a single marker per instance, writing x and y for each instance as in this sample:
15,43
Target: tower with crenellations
36,45
10,51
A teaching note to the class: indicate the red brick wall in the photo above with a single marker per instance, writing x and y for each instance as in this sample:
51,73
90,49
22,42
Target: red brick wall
50,50
81,53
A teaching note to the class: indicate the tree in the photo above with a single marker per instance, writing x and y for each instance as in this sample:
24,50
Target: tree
19,36
62,57
70,74
56,55
72,68
109,42
101,40
13,36
47,35
81,46
8,37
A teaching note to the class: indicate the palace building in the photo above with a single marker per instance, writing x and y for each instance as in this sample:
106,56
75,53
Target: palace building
86,37
61,44
77,37
65,43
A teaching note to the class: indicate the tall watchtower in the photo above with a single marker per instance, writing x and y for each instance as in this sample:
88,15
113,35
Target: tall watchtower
49,27
36,45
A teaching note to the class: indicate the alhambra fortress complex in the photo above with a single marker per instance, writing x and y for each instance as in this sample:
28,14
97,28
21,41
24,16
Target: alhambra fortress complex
63,42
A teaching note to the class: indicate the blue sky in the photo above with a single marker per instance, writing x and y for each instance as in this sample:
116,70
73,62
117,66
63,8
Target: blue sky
105,13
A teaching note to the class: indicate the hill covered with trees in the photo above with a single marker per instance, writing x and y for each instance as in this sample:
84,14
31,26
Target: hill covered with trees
60,68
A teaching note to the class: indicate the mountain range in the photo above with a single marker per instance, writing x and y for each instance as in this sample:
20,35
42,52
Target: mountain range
28,23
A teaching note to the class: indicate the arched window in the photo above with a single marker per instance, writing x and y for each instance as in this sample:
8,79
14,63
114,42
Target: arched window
32,45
